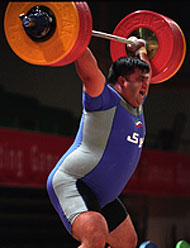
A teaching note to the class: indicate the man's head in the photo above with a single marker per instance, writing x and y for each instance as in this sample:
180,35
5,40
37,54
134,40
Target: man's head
131,78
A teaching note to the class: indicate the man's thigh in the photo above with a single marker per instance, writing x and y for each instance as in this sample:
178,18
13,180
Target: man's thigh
114,213
123,235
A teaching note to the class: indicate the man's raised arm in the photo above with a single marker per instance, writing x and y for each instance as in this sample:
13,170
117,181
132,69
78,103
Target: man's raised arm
90,74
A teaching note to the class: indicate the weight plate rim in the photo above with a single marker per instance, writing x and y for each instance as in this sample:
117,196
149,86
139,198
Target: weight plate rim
84,35
179,55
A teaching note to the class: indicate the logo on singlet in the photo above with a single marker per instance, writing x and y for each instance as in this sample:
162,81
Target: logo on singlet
135,139
138,123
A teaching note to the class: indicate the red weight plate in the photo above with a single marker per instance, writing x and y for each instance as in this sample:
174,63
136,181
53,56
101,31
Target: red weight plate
85,33
180,41
86,22
177,56
179,51
159,25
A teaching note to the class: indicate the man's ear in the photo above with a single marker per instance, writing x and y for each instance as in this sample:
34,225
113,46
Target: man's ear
121,80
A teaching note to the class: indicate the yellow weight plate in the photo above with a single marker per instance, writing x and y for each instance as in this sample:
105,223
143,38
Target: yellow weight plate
50,51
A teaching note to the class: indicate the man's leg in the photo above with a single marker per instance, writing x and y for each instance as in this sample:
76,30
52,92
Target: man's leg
122,232
90,228
123,236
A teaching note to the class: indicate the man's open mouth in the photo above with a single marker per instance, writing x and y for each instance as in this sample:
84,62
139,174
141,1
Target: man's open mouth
142,93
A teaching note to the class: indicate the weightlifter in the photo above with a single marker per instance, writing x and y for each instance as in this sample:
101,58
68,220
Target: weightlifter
85,184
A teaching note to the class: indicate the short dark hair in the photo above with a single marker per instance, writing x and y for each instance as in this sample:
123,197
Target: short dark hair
125,66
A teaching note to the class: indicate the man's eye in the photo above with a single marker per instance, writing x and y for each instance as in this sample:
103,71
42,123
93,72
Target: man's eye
140,79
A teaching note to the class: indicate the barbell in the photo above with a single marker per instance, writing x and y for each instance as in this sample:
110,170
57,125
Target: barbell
57,33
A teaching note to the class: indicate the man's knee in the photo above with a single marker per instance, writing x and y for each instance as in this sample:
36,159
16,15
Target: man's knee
90,228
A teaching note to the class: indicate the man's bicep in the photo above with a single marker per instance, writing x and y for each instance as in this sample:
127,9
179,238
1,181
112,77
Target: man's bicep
92,77
94,86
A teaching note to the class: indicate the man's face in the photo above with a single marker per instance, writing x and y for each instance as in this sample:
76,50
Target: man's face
135,87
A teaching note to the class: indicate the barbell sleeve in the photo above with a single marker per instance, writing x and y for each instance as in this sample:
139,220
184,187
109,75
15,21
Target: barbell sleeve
111,37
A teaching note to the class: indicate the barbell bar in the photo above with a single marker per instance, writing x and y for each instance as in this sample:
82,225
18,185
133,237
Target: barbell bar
111,37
